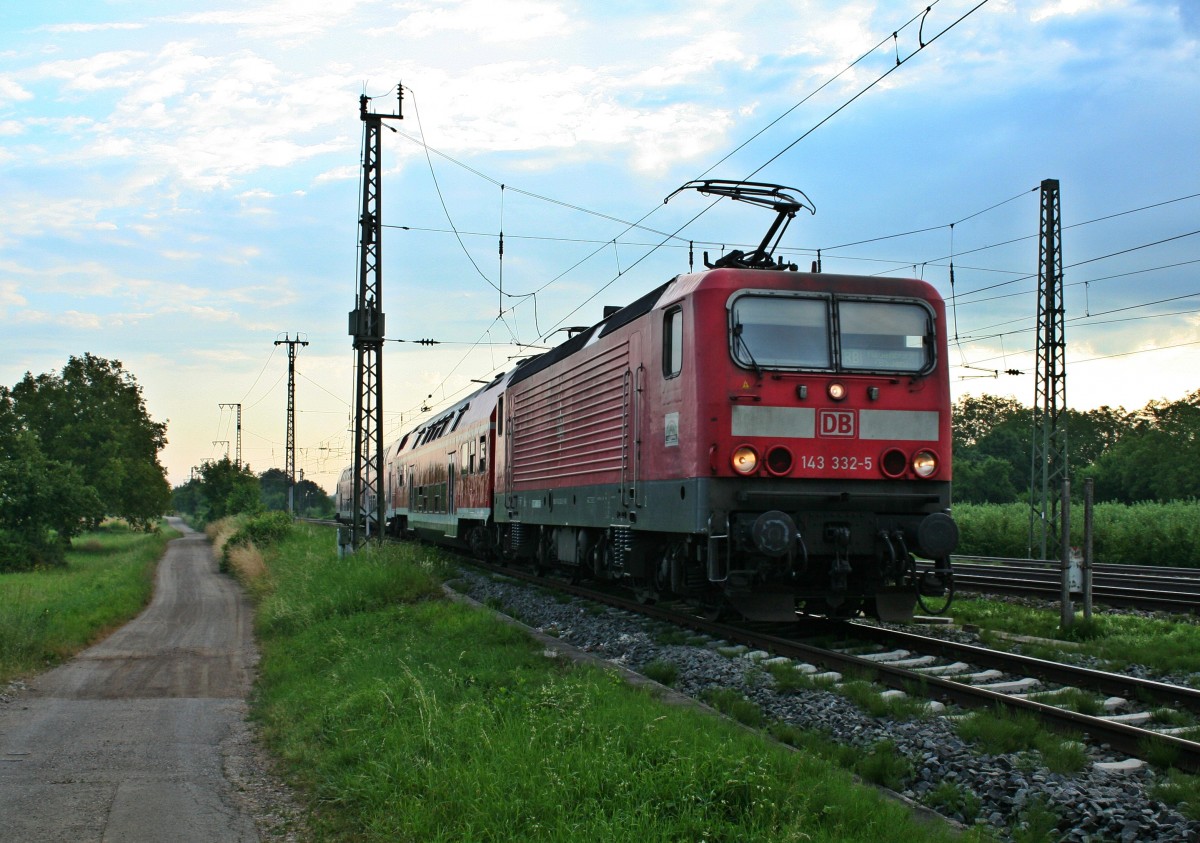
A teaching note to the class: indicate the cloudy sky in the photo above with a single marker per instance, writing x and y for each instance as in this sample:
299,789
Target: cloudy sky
179,184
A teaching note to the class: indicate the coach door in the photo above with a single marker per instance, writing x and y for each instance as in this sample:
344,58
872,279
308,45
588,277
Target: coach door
451,480
412,489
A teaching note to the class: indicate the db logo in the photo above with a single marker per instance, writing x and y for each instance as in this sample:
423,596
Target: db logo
836,423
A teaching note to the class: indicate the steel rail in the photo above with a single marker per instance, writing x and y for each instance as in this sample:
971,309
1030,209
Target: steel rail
1114,684
1121,737
1013,583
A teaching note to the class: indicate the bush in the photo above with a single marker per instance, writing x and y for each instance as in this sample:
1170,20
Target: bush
24,552
261,531
1139,534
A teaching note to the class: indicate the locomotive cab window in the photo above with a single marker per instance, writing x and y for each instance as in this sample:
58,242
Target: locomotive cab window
672,360
826,333
779,332
884,335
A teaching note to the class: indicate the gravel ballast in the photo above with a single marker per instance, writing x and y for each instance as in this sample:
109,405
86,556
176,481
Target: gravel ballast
1092,805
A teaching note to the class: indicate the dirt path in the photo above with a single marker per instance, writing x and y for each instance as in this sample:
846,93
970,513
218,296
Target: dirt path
129,740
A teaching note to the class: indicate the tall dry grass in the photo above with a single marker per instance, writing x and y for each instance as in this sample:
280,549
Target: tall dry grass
248,567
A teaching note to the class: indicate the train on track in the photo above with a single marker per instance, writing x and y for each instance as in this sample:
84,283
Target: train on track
749,437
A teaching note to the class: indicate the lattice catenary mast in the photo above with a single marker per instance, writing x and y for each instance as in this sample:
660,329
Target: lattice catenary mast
237,450
290,470
1048,468
366,327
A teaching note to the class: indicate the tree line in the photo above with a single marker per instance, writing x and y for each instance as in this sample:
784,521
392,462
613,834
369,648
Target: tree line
221,488
1151,454
75,447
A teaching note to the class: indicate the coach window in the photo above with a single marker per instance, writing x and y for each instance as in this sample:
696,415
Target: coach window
482,454
672,362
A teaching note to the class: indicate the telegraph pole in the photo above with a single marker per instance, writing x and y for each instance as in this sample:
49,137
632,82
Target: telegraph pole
366,327
237,450
291,417
1048,468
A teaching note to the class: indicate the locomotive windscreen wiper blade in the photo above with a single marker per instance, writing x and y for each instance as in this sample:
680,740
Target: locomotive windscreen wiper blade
737,332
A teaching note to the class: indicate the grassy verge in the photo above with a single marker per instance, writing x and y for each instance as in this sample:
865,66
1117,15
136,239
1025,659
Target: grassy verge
48,615
1167,645
405,716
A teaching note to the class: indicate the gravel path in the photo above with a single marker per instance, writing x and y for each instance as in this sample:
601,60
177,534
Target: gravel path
1093,805
143,736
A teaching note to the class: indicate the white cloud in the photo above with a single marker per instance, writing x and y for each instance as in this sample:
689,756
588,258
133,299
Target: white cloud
91,27
10,296
294,21
12,92
99,72
1071,8
498,21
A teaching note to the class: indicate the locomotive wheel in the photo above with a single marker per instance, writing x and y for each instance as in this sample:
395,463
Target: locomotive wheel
645,594
477,540
541,565
713,606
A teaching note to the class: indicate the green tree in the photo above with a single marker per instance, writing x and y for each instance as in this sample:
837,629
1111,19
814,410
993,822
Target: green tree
188,498
312,501
974,417
274,484
227,489
1157,459
991,449
1092,434
93,416
42,503
308,499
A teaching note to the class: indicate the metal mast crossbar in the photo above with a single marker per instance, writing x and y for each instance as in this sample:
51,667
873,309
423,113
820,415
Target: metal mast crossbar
367,329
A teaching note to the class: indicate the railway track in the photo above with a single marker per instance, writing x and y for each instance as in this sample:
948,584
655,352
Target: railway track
966,675
1122,586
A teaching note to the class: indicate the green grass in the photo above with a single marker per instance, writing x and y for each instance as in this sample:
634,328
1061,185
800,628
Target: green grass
732,704
997,731
405,716
662,672
954,800
1181,791
48,615
1072,699
869,697
1168,645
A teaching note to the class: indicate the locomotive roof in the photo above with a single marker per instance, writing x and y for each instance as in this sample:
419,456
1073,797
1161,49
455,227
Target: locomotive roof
686,283
602,328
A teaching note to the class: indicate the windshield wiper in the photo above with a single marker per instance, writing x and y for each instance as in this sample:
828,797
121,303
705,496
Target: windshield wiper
737,333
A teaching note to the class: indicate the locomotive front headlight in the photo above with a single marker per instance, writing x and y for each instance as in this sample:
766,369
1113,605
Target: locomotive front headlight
744,460
837,391
924,463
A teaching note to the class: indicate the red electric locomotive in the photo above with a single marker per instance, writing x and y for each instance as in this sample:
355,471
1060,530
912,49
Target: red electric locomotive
748,436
